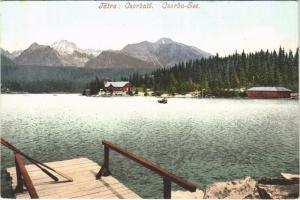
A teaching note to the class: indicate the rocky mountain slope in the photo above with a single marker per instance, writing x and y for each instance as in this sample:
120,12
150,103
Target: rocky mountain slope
117,59
5,53
165,52
73,54
66,47
10,55
40,55
6,61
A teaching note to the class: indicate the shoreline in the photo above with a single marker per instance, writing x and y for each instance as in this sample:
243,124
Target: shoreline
284,187
148,96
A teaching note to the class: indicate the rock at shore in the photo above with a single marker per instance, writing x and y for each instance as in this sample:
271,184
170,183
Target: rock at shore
237,189
278,191
290,176
286,187
199,194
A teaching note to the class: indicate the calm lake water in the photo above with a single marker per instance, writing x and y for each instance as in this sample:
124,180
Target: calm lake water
203,140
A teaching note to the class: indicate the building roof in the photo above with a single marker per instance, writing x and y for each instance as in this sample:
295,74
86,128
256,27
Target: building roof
270,89
116,84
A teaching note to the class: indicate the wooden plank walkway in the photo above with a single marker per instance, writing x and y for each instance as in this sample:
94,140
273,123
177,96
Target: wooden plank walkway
84,185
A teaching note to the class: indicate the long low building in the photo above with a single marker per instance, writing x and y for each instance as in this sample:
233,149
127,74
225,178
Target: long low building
268,92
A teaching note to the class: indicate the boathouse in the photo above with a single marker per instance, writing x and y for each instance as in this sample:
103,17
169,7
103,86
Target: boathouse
118,87
268,92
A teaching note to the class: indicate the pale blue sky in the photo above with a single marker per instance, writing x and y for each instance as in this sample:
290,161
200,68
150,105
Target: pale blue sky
222,27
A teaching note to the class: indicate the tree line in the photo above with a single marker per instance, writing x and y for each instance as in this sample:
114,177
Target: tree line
220,76
43,79
223,76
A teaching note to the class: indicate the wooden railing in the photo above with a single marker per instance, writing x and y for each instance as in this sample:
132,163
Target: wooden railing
23,178
168,178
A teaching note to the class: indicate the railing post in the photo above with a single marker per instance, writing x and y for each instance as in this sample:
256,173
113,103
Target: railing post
167,188
20,183
106,158
104,171
27,181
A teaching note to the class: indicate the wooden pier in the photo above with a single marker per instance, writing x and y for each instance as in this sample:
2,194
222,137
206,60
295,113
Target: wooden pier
81,177
84,185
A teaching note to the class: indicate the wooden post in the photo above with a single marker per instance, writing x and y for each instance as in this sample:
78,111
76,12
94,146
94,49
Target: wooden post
20,184
106,157
26,177
104,171
167,188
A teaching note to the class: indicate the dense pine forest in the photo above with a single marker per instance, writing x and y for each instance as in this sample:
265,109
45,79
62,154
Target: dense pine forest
225,76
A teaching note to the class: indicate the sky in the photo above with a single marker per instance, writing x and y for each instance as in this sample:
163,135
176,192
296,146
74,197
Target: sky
215,27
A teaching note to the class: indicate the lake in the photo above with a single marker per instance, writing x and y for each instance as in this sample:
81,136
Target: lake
202,140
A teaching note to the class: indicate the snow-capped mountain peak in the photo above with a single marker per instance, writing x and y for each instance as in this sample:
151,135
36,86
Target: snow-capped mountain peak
65,47
164,41
94,52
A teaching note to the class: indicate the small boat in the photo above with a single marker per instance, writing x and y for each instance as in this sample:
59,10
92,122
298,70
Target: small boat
163,100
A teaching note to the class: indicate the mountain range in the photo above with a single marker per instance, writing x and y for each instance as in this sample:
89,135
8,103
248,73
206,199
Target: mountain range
162,53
